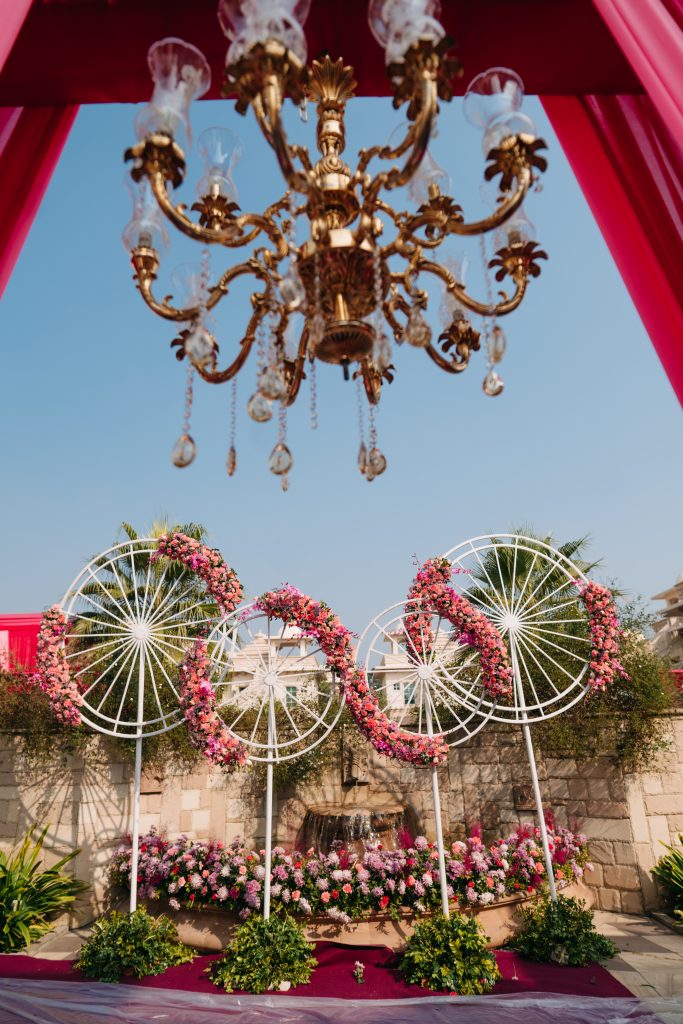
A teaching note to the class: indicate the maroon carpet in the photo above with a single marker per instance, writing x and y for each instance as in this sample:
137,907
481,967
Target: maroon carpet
334,975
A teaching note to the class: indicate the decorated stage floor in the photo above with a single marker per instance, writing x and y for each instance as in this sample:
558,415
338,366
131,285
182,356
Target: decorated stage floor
52,992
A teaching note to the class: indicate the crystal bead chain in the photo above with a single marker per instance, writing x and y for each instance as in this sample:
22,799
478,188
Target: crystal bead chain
362,448
185,449
231,464
314,395
382,344
494,337
317,322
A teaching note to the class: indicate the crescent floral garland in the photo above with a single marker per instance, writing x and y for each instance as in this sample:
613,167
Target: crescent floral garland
197,699
430,587
52,668
222,582
317,620
605,634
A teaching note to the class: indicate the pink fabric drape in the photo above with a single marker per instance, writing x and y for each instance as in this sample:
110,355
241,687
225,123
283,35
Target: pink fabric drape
630,169
12,16
650,37
31,141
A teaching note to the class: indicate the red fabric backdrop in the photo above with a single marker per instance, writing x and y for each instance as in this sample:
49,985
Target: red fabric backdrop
19,640
625,150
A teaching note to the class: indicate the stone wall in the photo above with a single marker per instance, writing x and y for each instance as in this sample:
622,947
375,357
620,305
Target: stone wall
627,817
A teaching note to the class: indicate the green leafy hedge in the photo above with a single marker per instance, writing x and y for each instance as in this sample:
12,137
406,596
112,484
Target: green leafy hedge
263,955
450,954
136,945
561,932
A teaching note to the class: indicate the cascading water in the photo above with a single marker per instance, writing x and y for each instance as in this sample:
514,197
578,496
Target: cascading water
353,826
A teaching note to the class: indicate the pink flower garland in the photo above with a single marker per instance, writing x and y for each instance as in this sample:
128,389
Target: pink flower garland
430,588
222,582
52,668
605,634
316,619
197,699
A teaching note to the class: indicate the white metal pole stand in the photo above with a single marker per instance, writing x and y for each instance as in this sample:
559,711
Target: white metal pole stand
526,730
269,804
437,811
137,784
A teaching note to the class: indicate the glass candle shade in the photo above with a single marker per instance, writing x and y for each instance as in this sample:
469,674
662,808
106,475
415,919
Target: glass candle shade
180,74
398,24
146,226
248,22
491,94
221,151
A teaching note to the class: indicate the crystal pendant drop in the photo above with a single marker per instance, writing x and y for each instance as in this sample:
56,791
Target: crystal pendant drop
493,385
183,451
418,331
498,344
231,463
272,384
292,290
199,347
377,462
284,482
382,352
259,408
280,461
317,329
362,458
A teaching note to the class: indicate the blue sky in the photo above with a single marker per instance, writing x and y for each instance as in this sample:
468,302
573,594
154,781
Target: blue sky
584,440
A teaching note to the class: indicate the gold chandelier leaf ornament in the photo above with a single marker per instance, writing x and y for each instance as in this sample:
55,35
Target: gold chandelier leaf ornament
362,272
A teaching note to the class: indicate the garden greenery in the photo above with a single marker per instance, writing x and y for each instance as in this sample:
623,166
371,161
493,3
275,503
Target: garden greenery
669,872
263,955
561,932
31,896
449,953
131,945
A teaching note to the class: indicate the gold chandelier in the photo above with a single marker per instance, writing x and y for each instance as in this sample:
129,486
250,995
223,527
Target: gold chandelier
359,275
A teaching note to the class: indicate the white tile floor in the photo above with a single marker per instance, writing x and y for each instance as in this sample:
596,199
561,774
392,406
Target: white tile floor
650,962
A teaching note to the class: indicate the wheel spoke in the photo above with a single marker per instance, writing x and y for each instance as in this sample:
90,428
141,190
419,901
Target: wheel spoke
532,655
550,658
519,606
123,696
108,594
264,700
84,651
121,589
125,654
105,611
528,675
557,647
502,581
154,688
153,648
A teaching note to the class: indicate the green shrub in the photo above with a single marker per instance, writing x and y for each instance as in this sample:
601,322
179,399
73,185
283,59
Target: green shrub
561,932
134,944
669,871
263,954
450,953
29,896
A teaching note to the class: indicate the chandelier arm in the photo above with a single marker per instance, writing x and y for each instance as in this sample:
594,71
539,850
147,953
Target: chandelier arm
256,221
444,364
459,293
216,293
272,102
416,142
246,345
501,214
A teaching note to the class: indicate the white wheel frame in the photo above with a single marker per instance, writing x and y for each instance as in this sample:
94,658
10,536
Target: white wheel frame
433,680
527,624
147,634
238,638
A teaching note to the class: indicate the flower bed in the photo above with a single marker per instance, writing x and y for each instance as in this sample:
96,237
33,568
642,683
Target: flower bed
344,886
